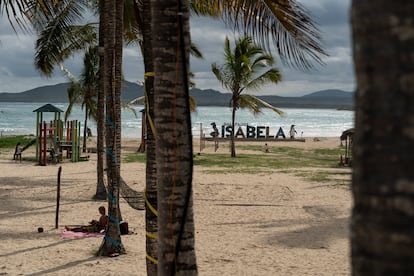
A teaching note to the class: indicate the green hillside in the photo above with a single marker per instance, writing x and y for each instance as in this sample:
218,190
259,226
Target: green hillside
321,99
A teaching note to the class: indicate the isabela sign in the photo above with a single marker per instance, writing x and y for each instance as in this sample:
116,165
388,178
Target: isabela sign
246,131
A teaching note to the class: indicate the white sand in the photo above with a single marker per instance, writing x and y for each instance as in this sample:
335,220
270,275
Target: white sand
246,224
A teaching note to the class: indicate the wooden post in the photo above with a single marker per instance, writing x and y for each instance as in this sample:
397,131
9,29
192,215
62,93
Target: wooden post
44,143
37,136
78,143
201,137
39,143
58,198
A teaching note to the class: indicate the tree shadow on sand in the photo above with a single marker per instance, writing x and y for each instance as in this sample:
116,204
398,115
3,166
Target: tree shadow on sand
318,231
17,192
64,266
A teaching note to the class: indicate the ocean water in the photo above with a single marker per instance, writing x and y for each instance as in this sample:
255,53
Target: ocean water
19,118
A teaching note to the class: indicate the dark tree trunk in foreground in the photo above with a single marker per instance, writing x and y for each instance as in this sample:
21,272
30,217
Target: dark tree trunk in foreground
113,60
100,186
151,221
174,155
382,230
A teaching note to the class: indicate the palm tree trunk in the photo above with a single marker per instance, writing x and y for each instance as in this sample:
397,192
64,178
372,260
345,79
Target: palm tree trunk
382,228
113,60
151,221
176,252
100,186
233,131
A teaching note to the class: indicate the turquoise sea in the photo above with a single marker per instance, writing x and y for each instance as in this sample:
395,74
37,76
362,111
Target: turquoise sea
19,118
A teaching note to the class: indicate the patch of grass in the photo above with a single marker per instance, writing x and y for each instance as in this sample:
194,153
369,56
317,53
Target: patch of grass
7,142
135,157
323,176
278,158
282,159
319,177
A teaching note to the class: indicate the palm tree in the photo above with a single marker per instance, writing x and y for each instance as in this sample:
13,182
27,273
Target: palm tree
144,18
113,15
298,39
382,235
100,143
174,155
84,92
59,37
245,68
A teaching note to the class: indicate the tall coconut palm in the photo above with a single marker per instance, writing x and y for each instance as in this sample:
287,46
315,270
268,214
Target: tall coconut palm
113,14
382,228
144,18
85,90
174,155
298,41
59,37
100,143
246,67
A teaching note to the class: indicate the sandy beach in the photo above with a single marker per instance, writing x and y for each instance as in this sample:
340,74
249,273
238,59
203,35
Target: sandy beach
267,223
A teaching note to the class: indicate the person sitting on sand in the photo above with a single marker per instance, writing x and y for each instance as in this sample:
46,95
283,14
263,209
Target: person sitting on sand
95,225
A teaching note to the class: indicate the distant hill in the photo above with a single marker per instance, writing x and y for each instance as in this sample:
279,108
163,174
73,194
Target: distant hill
331,93
207,97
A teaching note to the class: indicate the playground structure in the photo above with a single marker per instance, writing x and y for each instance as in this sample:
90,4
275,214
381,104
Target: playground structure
55,137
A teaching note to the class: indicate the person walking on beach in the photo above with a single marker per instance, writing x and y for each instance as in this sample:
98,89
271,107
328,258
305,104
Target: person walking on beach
292,132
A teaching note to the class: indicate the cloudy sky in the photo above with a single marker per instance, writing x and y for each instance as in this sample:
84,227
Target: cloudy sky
17,72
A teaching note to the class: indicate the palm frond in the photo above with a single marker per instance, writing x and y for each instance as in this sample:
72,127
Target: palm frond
74,98
69,74
132,22
283,25
66,12
272,75
55,44
195,52
141,100
255,105
130,108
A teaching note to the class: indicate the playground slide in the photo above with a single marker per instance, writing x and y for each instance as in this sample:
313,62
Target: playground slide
29,144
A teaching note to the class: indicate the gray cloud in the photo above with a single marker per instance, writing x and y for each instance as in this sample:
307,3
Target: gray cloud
17,72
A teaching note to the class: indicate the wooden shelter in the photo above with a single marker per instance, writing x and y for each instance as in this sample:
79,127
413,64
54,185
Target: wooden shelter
348,137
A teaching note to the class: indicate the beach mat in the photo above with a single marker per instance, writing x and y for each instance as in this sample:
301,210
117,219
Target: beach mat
71,234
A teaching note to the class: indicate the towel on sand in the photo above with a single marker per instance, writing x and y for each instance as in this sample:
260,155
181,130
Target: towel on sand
71,234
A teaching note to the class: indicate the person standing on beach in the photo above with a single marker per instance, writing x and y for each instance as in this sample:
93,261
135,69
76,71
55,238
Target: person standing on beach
292,132
18,152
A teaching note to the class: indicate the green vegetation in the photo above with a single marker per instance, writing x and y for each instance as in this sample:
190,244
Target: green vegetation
7,142
296,161
135,157
277,158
